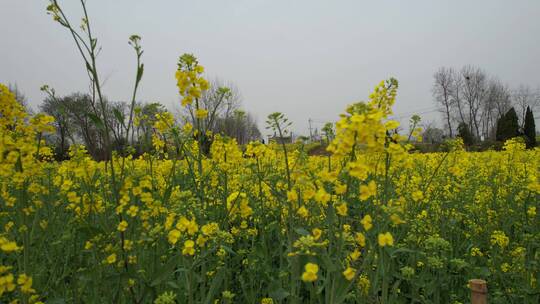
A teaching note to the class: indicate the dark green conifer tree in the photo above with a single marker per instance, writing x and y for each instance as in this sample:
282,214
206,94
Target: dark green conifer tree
529,129
507,126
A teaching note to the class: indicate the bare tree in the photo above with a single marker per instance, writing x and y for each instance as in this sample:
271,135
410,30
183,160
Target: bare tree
501,95
470,98
442,92
225,116
76,123
240,125
497,103
141,136
20,97
474,93
456,93
220,100
63,137
72,113
431,133
524,97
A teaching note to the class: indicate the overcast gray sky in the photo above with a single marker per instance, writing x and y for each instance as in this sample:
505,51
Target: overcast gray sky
308,59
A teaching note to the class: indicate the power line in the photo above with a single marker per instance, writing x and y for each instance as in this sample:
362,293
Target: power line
413,113
419,111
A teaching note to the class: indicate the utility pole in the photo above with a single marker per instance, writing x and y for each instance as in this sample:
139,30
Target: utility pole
310,133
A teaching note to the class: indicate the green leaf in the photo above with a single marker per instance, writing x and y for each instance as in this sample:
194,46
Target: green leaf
328,264
402,250
330,214
119,116
301,231
483,272
173,285
140,72
214,287
164,272
279,294
96,120
342,290
228,249
88,67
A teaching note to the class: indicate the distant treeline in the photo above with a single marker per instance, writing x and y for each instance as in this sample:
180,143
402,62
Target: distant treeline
76,120
481,108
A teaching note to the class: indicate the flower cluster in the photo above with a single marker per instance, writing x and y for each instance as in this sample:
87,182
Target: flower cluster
189,79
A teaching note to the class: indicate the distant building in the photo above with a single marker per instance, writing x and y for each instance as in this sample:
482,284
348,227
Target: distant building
280,140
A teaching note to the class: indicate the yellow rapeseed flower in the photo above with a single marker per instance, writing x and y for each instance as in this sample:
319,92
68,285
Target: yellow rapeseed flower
25,283
302,212
210,229
367,191
7,283
201,113
8,246
122,226
322,197
340,188
88,245
189,248
349,273
385,239
132,211
417,195
341,209
360,239
173,236
367,222
111,258
310,273
292,196
316,233
353,256
499,238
